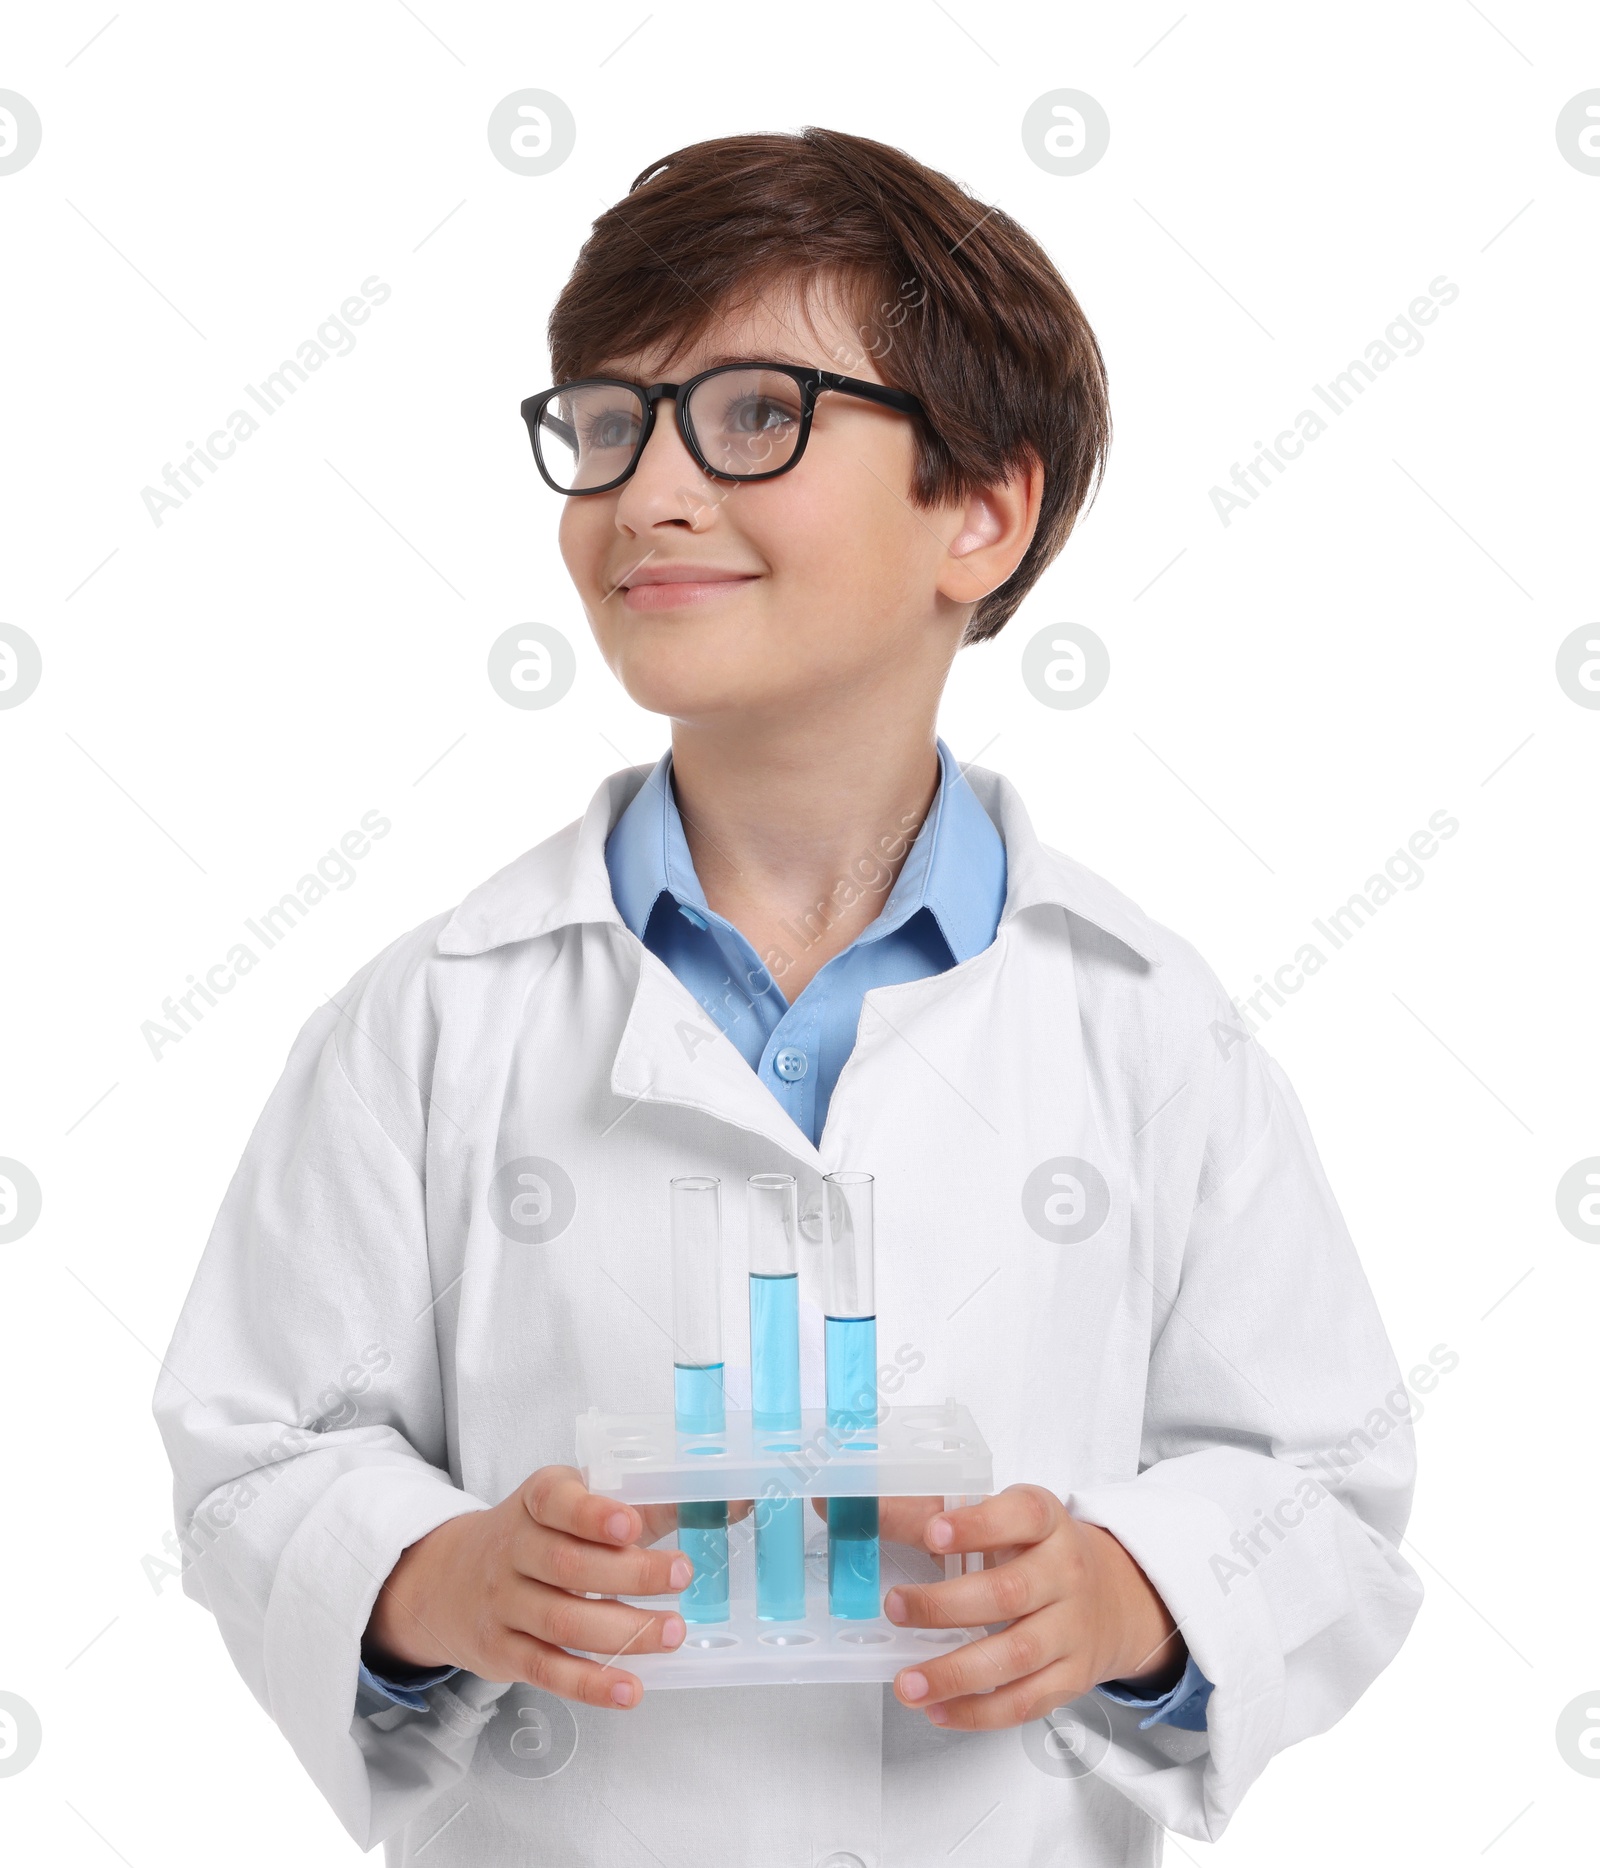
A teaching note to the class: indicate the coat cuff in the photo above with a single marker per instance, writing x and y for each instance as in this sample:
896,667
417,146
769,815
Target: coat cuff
1171,1533
326,1583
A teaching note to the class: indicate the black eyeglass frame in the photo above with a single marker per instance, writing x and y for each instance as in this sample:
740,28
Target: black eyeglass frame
811,383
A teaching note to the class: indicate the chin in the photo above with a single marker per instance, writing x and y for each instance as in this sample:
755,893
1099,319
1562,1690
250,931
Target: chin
693,705
667,673
678,694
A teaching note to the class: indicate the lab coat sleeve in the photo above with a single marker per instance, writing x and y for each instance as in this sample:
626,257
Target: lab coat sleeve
1277,1462
301,1407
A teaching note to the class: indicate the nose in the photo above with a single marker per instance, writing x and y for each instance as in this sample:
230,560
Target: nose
667,484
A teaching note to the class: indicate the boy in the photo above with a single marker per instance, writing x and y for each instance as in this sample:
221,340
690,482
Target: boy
844,419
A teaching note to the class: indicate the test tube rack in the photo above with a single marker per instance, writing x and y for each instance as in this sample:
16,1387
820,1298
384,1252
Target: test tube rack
912,1451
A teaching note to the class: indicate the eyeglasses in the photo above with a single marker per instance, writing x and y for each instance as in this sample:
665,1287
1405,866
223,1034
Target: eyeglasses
740,421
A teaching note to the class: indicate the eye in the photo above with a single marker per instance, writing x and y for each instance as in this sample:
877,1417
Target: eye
750,415
608,428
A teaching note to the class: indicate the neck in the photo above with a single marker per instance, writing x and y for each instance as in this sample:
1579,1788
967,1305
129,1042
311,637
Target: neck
798,827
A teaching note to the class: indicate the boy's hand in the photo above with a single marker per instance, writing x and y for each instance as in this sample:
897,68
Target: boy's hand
501,1592
1080,1610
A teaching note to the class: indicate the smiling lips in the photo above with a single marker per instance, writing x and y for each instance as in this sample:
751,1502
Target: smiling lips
672,586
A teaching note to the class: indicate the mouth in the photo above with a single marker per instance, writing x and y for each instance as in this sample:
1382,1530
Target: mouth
673,592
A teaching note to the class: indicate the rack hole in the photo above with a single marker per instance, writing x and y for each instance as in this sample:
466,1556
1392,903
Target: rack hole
942,1443
864,1637
799,1639
707,1643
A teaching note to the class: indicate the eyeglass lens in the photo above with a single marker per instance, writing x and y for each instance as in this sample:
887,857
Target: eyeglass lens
743,421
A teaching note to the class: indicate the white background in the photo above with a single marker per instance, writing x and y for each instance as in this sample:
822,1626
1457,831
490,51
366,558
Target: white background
1373,641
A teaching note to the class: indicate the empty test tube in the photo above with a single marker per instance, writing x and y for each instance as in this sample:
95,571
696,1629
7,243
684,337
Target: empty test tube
698,1400
775,1389
851,1349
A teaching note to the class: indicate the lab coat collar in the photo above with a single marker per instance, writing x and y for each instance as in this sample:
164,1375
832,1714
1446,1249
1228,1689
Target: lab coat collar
955,867
564,881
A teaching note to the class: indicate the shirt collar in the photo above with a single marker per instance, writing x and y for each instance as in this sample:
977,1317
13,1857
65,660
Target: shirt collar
564,881
956,867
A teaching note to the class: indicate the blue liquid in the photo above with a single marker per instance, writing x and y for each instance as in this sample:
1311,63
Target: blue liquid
853,1558
775,1350
703,1539
698,1407
697,1398
780,1559
850,1345
851,1348
775,1406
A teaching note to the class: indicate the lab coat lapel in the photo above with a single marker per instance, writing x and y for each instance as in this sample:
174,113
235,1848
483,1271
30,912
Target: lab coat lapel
673,1051
969,1096
990,1049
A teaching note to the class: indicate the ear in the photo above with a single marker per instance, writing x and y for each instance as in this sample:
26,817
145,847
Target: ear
993,531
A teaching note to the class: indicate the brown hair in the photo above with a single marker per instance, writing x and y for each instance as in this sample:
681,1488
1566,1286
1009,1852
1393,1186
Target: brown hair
970,314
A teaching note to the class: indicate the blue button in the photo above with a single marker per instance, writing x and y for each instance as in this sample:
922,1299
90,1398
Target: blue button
790,1064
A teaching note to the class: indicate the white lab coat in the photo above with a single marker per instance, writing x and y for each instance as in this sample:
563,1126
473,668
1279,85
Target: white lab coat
1209,1366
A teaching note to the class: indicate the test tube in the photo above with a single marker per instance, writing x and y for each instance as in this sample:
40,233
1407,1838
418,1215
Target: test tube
773,1224
850,1343
698,1401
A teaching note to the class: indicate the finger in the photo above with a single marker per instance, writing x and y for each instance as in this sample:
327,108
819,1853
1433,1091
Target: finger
904,1520
608,1630
557,1497
659,1521
1021,1514
537,1663
1001,1594
1017,1703
1037,1640
574,1563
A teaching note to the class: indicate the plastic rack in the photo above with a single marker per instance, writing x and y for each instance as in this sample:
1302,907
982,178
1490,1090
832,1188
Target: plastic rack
642,1459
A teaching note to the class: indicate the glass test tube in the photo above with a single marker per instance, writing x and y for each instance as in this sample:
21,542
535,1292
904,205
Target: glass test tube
851,1350
773,1223
698,1402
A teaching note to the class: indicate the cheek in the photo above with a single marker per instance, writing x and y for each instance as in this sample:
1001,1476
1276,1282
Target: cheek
581,538
846,534
794,524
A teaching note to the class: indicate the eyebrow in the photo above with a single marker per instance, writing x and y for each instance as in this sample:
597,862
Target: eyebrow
737,356
762,356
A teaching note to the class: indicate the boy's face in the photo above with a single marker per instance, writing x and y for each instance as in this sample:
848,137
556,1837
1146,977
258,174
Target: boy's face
821,583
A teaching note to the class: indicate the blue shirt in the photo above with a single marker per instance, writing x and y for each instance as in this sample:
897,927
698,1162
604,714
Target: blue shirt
944,907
